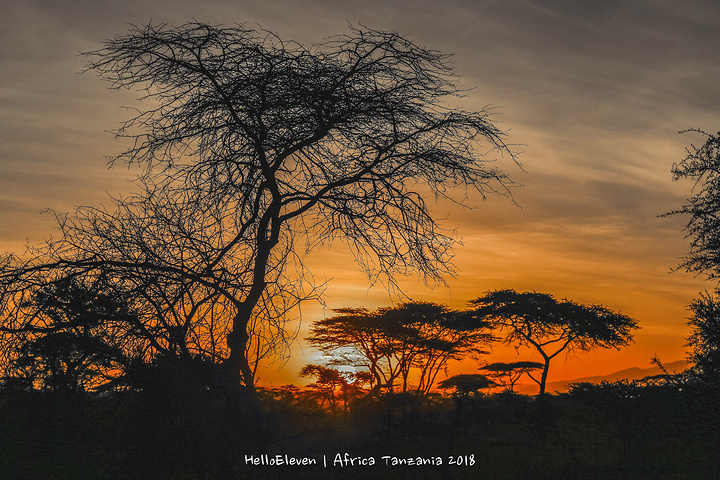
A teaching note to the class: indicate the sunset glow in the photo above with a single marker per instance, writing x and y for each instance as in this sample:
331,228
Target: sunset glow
592,97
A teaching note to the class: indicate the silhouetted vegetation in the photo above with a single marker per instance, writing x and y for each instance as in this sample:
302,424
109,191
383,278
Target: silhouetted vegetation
508,374
551,327
69,336
254,152
611,430
466,384
702,166
704,340
394,344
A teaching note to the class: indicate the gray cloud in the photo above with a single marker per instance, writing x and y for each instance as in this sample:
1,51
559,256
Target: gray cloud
595,92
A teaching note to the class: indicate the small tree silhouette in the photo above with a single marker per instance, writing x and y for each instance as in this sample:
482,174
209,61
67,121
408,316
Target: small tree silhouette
508,374
466,384
327,382
465,388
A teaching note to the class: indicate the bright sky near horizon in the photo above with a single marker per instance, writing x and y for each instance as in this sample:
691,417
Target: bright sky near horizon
593,94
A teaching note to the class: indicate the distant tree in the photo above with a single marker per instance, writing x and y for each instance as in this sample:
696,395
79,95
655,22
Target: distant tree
331,384
466,388
328,381
257,150
551,327
466,384
508,374
286,393
411,341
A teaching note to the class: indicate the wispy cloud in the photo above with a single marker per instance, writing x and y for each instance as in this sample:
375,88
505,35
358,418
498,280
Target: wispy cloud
595,92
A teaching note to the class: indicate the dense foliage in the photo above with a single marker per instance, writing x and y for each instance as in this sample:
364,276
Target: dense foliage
409,343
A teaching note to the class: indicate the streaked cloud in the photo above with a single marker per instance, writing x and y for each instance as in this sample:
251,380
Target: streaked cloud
594,91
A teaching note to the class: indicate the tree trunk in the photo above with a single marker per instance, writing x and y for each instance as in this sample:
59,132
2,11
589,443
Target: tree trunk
238,371
543,379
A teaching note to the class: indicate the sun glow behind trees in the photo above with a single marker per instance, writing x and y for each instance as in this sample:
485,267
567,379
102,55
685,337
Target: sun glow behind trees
254,152
587,227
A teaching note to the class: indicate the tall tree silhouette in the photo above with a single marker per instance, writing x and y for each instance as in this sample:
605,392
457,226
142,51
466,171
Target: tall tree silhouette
257,150
538,321
702,166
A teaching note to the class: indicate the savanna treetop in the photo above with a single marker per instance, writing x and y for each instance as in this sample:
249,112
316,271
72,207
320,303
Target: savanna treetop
255,151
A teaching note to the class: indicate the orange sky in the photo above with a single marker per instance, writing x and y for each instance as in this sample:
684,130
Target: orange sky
593,93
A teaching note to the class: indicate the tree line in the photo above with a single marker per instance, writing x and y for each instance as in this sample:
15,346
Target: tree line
414,342
82,339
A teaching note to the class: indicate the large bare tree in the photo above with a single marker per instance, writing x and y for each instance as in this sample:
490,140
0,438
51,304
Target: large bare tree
256,150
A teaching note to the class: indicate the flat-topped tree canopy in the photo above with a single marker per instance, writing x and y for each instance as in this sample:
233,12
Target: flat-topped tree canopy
539,321
508,374
410,341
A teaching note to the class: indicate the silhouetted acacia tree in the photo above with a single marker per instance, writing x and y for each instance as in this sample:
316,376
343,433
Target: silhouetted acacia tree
69,336
255,151
466,383
508,374
327,382
538,321
465,388
413,341
331,384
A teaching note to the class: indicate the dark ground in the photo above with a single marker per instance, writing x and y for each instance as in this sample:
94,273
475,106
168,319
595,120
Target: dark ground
597,432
